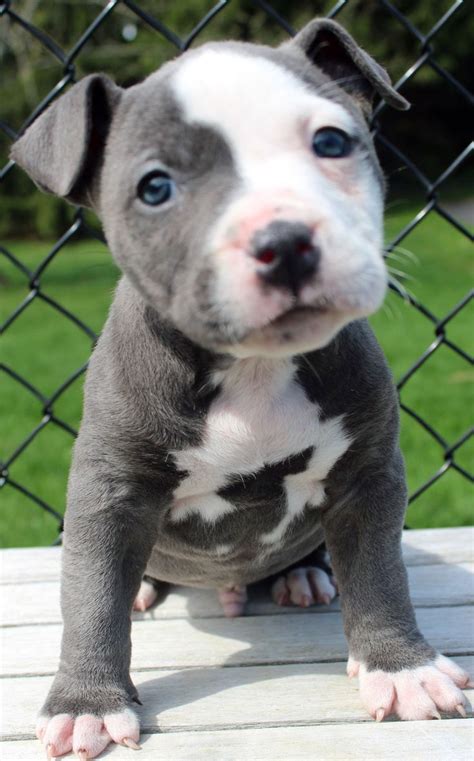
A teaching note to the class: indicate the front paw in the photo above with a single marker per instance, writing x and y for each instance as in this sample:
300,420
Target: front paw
413,694
85,721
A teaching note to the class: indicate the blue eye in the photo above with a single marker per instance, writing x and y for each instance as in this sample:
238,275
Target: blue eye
332,143
155,188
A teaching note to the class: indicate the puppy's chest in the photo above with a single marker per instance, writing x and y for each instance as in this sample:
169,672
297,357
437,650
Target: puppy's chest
262,438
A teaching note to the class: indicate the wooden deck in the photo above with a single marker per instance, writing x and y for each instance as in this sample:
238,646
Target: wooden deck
270,685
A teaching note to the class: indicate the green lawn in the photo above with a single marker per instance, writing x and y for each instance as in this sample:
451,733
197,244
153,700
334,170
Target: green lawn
45,347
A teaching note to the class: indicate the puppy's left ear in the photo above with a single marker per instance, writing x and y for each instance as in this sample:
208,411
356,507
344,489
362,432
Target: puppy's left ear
62,150
337,54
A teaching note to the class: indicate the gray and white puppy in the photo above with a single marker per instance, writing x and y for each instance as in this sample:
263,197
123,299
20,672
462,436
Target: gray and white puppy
238,410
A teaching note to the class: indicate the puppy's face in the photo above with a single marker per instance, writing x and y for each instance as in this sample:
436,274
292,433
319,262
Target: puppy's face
240,193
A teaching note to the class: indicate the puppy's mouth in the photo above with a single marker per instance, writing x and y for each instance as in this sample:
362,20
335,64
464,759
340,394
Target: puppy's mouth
296,316
297,330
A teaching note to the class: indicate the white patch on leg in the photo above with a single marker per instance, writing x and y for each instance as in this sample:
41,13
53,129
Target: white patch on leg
413,694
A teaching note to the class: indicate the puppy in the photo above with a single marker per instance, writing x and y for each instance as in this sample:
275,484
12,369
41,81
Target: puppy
238,410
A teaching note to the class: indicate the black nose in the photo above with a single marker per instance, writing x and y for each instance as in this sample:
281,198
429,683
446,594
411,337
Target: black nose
286,254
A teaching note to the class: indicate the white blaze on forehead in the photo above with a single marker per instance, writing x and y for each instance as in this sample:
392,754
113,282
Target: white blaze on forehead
257,105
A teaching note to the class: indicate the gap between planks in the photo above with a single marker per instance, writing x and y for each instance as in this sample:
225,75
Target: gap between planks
416,741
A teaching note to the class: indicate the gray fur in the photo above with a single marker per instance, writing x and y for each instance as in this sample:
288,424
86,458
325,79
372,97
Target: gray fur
63,161
148,392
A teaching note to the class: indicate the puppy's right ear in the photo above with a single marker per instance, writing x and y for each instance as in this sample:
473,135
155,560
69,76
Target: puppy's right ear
62,150
329,47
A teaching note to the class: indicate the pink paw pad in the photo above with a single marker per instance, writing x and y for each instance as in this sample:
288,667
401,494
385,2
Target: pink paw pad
413,694
233,600
146,596
87,735
304,587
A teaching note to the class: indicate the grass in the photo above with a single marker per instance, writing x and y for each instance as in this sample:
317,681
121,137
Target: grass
46,347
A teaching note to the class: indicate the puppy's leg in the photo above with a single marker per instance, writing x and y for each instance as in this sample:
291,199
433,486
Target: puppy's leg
109,534
399,672
308,582
148,593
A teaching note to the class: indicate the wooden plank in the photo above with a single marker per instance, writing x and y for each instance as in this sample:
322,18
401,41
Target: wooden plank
205,699
432,546
25,565
417,741
431,585
251,640
441,584
420,547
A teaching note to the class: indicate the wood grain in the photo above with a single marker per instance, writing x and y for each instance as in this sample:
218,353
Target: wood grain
194,643
391,741
430,585
214,698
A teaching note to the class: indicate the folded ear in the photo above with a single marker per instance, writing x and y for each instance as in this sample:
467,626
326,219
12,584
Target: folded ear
338,55
62,150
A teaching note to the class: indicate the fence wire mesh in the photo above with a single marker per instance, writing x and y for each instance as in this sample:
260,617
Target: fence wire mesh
66,60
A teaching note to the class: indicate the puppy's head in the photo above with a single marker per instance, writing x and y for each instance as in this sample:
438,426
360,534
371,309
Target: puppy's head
238,186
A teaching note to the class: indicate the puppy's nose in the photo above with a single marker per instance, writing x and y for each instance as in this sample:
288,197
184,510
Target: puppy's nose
285,253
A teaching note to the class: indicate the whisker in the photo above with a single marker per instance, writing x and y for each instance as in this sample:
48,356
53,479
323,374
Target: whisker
406,294
400,273
395,257
409,254
394,305
391,309
386,309
399,288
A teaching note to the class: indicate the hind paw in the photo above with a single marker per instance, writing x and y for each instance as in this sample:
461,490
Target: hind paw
304,587
233,600
147,595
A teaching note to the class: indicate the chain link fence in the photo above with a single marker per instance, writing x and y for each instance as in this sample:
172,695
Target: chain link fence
48,405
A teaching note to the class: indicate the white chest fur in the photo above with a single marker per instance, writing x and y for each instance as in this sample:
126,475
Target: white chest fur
261,416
